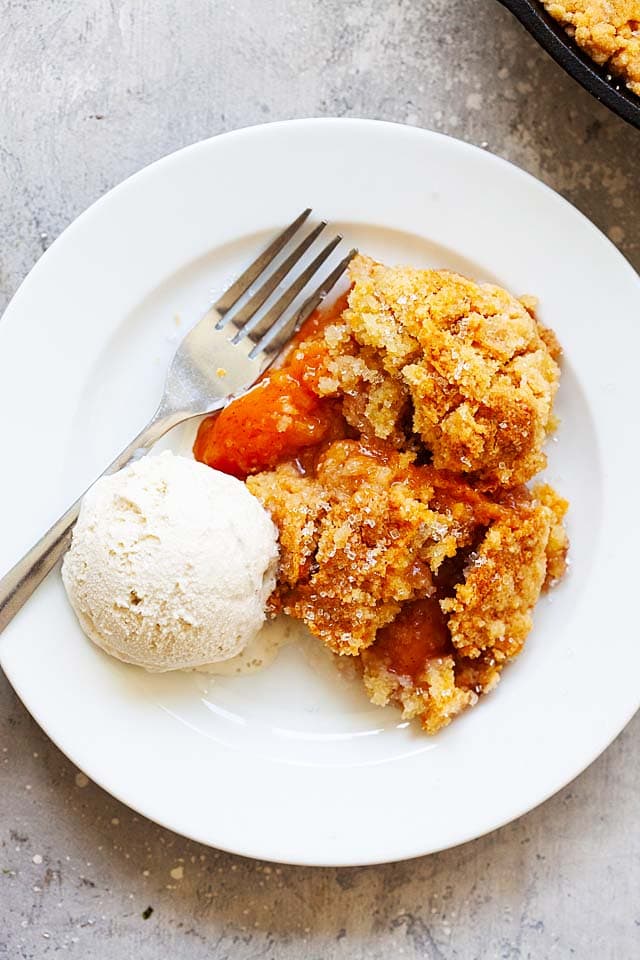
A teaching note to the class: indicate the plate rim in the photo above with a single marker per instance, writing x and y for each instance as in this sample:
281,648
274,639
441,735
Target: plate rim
174,155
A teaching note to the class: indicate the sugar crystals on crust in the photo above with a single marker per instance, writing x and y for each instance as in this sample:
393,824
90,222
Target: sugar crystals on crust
359,538
464,366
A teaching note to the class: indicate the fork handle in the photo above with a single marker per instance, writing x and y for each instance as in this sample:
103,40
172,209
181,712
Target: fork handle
19,583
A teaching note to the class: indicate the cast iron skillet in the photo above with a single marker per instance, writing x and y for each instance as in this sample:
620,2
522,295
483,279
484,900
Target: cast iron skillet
553,37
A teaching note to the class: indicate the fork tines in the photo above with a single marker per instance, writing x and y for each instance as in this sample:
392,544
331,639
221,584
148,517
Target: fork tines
270,331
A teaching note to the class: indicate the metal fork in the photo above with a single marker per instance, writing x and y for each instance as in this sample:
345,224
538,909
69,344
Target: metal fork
219,360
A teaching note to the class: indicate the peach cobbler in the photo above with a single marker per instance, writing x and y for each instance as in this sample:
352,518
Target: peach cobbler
392,449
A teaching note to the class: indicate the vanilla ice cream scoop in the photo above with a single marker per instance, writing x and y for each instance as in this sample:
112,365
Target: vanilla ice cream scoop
171,564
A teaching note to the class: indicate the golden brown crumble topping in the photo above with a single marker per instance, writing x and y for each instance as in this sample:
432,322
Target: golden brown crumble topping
466,366
362,536
607,30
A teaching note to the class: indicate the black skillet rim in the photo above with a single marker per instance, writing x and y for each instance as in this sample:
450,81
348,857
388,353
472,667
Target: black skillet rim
556,41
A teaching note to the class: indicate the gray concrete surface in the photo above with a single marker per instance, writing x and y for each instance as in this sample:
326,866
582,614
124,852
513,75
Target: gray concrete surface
90,92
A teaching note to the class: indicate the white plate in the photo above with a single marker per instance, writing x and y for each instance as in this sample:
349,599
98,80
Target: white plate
293,764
